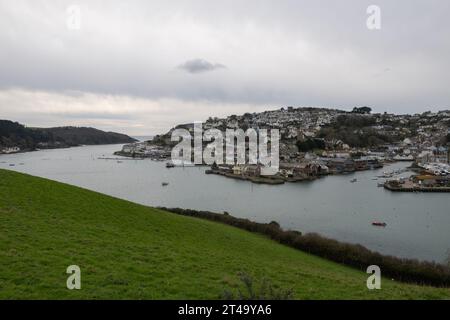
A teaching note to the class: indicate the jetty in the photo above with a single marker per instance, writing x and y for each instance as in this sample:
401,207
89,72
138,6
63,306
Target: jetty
255,179
410,186
416,189
118,159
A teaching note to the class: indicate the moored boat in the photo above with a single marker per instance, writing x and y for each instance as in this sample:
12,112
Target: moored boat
170,165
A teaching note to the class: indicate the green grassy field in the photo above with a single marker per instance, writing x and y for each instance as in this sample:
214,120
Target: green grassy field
129,251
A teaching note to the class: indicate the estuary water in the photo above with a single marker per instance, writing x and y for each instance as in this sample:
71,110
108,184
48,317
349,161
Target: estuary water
418,224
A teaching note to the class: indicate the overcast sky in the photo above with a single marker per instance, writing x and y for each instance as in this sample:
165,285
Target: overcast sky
140,67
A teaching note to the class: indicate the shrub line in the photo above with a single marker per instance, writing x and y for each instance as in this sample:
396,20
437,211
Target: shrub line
353,255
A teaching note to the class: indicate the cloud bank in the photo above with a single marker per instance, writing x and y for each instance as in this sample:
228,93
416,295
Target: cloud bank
300,53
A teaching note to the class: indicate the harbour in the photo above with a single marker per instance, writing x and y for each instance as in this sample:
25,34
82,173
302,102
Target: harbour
417,223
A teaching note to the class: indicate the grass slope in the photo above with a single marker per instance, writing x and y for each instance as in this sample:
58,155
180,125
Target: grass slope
126,251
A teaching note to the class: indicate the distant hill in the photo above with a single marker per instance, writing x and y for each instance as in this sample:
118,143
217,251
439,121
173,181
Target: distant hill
14,134
84,135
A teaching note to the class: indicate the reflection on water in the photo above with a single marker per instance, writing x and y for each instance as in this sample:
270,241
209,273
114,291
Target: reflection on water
418,224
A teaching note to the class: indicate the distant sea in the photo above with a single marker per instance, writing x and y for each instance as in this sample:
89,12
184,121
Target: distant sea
143,138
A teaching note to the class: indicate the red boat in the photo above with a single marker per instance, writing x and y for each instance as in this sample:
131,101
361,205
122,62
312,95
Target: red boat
379,224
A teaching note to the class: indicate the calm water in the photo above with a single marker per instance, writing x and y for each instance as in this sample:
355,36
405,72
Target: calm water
418,224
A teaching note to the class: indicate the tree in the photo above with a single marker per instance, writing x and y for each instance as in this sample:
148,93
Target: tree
362,110
310,144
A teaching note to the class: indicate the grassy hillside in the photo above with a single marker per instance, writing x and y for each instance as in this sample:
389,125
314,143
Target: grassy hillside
126,250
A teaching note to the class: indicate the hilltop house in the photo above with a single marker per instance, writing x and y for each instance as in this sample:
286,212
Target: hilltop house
10,150
340,165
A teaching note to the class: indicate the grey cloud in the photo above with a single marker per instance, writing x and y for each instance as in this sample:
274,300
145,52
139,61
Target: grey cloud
199,66
95,115
289,52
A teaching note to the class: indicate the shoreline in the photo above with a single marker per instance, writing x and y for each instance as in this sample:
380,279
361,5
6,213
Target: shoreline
258,180
350,254
57,148
419,272
416,189
138,235
288,194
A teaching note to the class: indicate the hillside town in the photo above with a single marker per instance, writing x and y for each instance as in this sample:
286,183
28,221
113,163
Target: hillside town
315,142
